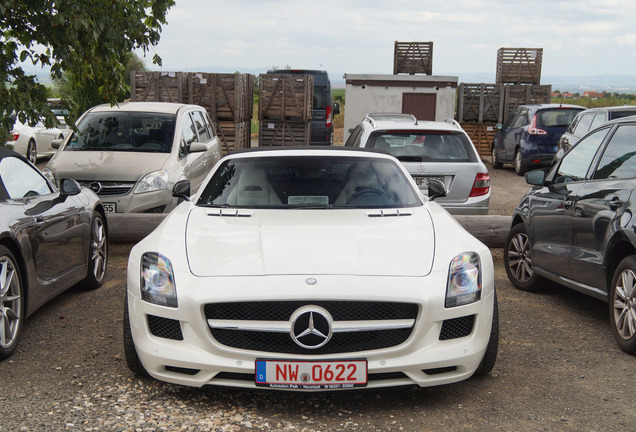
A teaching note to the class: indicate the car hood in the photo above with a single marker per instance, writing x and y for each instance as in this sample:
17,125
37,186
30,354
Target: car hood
309,242
106,165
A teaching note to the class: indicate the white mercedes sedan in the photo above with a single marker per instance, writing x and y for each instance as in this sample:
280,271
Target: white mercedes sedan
310,269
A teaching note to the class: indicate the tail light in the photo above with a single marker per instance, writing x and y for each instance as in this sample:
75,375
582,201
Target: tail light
533,129
328,116
15,135
481,186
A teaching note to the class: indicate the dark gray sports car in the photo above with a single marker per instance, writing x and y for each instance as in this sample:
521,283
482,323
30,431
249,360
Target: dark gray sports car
50,240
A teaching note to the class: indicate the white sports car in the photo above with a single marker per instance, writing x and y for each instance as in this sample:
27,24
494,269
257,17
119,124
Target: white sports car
310,269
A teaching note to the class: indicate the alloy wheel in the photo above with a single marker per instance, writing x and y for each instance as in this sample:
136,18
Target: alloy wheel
519,260
625,304
10,302
98,248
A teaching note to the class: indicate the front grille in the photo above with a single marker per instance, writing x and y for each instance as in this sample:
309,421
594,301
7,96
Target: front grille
354,341
457,327
164,328
108,188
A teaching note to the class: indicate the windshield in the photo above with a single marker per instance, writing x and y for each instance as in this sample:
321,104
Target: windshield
309,182
124,131
558,117
424,146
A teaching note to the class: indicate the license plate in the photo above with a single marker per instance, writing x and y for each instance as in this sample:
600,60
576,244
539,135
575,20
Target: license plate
422,182
110,207
311,375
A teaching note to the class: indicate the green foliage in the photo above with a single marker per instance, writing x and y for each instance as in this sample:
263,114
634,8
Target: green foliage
338,95
88,41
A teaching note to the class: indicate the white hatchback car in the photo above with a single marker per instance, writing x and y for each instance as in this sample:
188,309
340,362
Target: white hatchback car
431,150
310,269
131,155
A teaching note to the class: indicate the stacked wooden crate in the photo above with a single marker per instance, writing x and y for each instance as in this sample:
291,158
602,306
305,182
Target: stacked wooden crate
519,65
413,57
285,109
228,99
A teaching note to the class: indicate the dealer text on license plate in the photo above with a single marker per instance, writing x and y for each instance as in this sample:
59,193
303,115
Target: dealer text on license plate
422,182
311,375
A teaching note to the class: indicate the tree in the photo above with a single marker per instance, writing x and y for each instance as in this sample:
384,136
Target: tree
88,40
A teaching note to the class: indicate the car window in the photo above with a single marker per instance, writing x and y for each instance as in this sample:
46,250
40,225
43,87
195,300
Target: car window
21,180
522,119
576,163
620,114
124,131
423,146
314,182
619,158
509,122
354,138
558,117
188,134
599,119
583,125
201,127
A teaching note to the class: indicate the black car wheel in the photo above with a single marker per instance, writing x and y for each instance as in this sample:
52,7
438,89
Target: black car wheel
518,261
520,169
32,152
495,162
132,359
98,254
490,357
11,303
622,300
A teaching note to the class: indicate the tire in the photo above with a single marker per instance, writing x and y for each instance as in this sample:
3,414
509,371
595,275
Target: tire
11,303
97,254
520,169
132,359
518,262
622,304
32,152
495,162
490,357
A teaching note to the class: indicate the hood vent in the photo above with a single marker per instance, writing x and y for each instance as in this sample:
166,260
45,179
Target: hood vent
224,212
389,213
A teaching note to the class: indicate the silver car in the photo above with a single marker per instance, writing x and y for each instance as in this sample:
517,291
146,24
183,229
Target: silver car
431,150
131,155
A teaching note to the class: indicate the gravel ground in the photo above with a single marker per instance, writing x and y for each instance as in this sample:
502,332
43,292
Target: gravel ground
558,370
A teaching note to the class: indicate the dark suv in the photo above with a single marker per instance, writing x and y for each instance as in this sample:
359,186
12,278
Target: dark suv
576,225
528,139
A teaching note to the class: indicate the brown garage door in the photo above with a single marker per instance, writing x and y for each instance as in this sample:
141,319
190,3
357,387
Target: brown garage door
421,105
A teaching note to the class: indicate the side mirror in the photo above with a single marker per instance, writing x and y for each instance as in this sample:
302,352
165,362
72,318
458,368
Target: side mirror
436,189
57,143
535,177
69,187
336,108
181,189
197,147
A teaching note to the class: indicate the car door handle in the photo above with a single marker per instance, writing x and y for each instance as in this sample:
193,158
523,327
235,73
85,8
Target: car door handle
615,203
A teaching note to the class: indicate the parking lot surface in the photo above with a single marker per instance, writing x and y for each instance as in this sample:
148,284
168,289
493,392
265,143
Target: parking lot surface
558,369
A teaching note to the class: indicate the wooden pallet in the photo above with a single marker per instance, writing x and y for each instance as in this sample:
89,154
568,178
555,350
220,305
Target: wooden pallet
413,57
519,65
285,133
481,103
482,135
224,96
285,97
233,135
157,86
516,95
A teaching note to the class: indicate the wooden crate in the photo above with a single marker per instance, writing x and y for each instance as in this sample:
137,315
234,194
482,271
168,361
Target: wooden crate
285,97
233,135
481,103
224,96
482,135
519,65
516,95
286,133
413,57
146,86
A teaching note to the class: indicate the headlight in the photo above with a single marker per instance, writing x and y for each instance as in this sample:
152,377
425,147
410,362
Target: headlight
157,280
49,175
464,280
152,182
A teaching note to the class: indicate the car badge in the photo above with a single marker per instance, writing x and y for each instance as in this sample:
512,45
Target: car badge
311,327
95,187
421,168
311,281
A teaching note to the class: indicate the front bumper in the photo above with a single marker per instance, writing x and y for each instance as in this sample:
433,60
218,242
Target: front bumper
198,359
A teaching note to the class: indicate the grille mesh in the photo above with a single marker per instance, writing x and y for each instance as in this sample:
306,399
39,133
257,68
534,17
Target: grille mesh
164,327
457,327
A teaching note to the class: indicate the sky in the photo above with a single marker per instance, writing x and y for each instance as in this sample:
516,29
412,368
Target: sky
579,38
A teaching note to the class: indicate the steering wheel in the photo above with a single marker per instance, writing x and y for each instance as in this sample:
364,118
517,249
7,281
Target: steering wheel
369,191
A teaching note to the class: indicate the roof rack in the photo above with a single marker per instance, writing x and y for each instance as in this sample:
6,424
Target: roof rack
389,116
453,122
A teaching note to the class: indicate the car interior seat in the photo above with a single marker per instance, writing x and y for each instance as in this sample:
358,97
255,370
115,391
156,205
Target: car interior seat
253,189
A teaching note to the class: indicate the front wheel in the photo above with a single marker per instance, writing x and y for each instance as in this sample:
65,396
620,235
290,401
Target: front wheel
622,300
32,152
98,254
11,303
490,357
518,261
132,359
